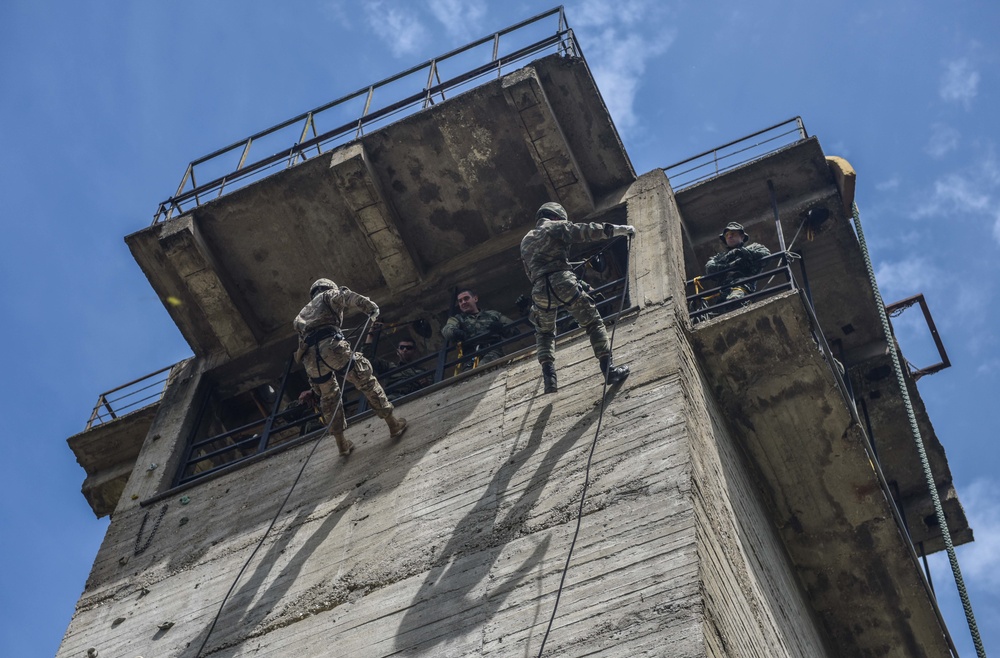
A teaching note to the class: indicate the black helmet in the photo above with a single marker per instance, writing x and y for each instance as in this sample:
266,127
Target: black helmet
320,285
733,226
551,208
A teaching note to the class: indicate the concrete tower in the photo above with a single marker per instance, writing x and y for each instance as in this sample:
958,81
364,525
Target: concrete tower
753,491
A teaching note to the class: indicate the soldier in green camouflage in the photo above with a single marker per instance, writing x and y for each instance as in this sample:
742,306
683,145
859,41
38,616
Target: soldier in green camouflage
325,355
483,327
401,380
545,254
742,260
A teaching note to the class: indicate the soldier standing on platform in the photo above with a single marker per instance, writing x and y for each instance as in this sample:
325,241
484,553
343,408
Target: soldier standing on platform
487,327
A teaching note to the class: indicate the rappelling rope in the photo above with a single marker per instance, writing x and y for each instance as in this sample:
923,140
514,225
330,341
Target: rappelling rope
340,404
924,462
590,459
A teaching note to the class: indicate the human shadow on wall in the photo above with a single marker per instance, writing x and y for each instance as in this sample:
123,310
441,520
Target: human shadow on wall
447,602
248,607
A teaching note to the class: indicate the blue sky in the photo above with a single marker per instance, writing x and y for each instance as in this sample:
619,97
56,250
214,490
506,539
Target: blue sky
103,104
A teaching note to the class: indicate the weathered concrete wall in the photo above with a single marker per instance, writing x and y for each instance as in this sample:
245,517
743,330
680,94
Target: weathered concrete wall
753,601
450,542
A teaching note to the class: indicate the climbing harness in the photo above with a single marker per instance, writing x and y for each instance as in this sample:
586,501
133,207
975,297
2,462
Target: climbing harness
586,475
918,441
277,515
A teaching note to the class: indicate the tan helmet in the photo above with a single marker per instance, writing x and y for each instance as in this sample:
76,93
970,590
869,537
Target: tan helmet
320,285
551,209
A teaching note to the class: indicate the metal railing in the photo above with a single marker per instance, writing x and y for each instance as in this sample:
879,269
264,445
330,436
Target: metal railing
286,423
707,302
733,154
299,138
127,398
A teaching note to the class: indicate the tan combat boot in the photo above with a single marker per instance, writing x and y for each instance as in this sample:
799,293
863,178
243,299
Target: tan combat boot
396,426
345,446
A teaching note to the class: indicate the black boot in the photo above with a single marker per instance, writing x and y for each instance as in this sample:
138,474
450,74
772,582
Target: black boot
615,374
549,376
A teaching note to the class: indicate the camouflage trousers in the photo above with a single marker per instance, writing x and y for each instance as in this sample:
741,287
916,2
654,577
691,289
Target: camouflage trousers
562,289
332,357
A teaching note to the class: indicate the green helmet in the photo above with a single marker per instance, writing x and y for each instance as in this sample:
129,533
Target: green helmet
733,226
320,285
551,209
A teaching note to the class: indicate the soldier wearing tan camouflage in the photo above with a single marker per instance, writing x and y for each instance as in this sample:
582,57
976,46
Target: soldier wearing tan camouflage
545,254
325,355
477,329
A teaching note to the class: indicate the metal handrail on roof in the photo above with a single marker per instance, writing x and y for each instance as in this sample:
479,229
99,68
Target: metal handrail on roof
130,397
191,195
716,161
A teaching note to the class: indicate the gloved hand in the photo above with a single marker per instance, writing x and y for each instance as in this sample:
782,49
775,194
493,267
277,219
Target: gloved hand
625,229
373,313
458,336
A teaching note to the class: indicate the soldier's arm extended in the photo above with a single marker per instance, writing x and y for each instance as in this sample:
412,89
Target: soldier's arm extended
347,298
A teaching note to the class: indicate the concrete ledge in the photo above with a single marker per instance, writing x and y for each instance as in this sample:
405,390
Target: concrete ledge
828,500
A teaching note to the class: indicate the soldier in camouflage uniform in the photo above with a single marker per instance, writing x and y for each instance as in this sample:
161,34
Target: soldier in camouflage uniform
325,355
406,352
485,327
741,259
545,254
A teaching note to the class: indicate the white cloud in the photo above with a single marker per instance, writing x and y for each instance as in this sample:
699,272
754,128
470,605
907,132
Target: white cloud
969,195
461,18
397,26
981,559
618,52
943,140
888,185
959,83
903,278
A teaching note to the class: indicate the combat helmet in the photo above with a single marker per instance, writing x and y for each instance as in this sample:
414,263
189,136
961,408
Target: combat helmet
733,226
320,285
551,208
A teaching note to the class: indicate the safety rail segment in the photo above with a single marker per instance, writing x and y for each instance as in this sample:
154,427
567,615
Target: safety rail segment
132,396
190,194
736,153
206,456
896,308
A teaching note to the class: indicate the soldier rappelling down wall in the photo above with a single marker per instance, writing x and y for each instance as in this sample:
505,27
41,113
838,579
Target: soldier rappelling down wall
545,254
325,355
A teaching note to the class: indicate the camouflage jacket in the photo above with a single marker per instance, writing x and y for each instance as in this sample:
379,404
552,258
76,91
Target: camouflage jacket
744,261
467,325
389,381
545,249
327,310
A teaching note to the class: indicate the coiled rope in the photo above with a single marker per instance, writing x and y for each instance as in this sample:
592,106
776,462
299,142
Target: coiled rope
924,462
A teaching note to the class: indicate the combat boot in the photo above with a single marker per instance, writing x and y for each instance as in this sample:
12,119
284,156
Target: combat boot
396,426
549,376
343,444
614,374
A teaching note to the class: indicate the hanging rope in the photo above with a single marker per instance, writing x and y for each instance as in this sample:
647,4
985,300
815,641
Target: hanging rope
340,402
590,459
924,462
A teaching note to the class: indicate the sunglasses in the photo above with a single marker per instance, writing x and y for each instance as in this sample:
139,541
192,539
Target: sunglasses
406,347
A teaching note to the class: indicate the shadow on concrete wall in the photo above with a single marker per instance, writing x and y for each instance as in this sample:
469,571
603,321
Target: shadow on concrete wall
249,606
448,603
